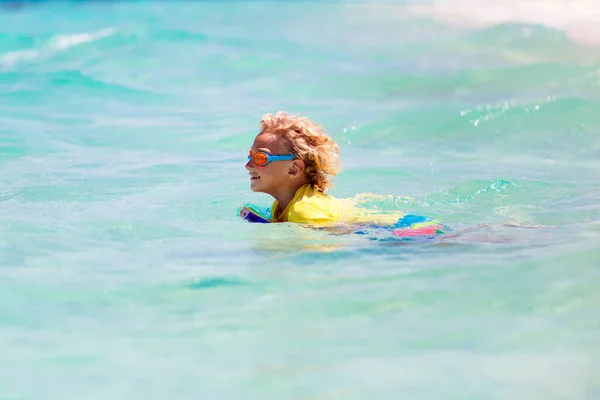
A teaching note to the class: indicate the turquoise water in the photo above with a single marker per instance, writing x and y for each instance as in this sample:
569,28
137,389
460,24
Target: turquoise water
125,272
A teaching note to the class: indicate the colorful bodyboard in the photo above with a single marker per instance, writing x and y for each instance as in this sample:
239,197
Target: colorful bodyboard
406,228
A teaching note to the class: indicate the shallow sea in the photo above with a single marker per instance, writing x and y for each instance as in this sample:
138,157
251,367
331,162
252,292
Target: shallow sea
126,273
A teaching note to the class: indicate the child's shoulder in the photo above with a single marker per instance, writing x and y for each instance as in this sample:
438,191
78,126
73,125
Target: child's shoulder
313,205
313,195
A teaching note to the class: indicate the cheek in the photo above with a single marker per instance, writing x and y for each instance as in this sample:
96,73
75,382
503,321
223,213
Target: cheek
270,171
264,171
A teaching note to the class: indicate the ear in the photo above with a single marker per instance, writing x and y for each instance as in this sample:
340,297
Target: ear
296,169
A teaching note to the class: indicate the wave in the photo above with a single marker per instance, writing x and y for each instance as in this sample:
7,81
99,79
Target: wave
56,44
25,84
579,20
469,192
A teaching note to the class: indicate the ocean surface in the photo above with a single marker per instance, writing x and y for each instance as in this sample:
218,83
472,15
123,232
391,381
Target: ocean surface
126,273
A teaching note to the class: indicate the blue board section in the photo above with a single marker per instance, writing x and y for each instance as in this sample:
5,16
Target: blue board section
408,220
255,214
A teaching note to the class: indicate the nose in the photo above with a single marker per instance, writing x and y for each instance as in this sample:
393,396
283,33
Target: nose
249,166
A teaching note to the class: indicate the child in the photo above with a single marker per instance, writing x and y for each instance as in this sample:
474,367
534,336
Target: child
293,160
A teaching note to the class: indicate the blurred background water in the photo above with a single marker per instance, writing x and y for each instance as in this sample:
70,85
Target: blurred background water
125,272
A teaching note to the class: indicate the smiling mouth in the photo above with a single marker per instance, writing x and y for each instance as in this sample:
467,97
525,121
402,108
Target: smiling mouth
254,178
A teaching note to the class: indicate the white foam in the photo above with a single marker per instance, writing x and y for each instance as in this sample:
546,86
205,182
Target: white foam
13,57
579,19
55,45
63,42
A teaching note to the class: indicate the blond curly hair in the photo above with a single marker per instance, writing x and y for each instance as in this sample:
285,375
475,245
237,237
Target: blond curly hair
307,141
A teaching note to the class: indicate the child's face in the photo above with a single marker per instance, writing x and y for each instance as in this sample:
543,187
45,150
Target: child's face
270,178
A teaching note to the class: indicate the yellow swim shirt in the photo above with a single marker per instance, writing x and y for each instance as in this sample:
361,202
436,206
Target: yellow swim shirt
308,206
311,206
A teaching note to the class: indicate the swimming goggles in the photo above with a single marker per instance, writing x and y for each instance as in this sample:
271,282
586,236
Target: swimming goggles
263,158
